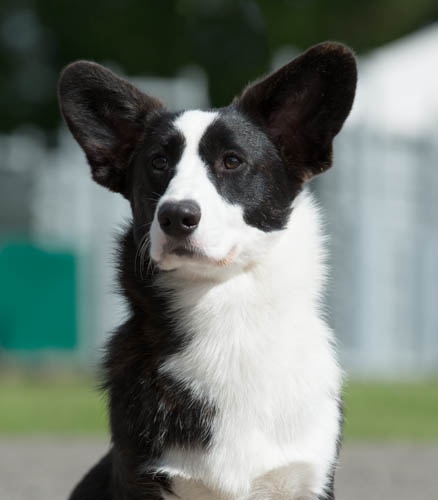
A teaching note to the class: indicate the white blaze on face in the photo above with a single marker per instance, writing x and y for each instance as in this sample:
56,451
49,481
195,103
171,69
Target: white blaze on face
222,231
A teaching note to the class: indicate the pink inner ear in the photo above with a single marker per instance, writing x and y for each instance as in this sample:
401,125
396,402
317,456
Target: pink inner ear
300,104
286,124
284,121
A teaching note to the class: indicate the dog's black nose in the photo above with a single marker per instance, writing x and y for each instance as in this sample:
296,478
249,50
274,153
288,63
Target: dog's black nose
179,218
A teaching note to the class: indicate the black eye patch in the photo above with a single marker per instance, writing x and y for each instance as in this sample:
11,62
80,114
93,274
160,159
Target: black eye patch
262,184
153,166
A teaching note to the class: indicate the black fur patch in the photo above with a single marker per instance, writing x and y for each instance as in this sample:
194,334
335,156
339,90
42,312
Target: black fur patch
262,184
109,480
97,483
149,412
146,184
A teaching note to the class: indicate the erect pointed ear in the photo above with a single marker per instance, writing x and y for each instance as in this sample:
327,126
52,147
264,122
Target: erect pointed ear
106,115
303,105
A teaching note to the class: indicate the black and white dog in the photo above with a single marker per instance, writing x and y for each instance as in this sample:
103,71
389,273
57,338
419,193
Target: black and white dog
223,383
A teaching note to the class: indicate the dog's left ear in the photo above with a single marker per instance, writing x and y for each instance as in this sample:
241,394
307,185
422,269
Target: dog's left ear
303,105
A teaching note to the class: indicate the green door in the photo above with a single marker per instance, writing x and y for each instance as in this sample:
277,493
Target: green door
37,298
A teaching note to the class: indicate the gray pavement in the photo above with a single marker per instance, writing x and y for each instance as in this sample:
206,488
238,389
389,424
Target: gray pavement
47,468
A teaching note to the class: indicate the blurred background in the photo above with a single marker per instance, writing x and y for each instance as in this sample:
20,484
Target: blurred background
57,228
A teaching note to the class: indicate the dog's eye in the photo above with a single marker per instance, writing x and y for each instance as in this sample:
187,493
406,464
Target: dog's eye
231,162
160,163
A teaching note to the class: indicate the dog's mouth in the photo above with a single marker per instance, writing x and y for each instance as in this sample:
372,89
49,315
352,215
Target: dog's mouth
189,252
195,254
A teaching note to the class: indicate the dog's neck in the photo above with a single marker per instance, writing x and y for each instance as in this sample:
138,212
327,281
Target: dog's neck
277,297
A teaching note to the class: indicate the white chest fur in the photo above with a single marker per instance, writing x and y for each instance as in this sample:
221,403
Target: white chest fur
262,355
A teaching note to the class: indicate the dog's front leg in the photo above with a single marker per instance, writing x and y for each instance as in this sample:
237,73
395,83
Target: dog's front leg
291,482
189,489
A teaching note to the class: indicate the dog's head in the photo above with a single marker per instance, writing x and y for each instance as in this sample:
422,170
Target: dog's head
209,189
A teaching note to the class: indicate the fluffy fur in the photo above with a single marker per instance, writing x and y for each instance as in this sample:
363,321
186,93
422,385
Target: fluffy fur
261,353
223,383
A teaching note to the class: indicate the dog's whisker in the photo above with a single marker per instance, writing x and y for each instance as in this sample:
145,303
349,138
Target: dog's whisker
140,254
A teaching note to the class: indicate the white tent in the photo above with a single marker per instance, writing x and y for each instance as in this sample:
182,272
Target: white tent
398,86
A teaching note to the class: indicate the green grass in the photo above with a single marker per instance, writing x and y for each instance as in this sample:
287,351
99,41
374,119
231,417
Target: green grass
70,405
47,406
392,411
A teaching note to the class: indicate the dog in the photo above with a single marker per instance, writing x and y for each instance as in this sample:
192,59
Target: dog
223,382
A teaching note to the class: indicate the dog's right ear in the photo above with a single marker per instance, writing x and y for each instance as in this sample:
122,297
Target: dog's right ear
106,115
303,105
